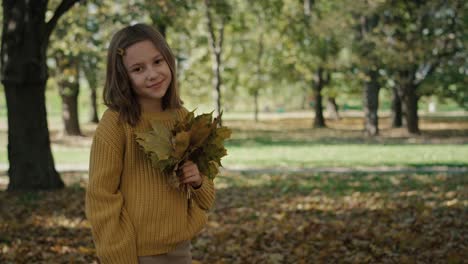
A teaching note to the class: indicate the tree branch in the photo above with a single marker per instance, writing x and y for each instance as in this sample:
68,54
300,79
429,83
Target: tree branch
327,78
210,25
221,37
64,6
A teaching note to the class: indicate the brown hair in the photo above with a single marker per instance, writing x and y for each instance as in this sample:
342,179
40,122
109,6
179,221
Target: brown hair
118,93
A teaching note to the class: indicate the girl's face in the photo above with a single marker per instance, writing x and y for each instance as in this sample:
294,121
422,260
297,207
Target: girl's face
149,73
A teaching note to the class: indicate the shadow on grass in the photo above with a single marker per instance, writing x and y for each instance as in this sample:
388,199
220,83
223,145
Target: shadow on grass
328,136
445,118
331,141
461,165
338,184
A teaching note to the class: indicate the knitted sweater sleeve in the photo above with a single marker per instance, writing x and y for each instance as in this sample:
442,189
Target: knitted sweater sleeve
205,195
112,230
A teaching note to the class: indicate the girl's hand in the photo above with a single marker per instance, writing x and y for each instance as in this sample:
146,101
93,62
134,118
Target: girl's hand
190,174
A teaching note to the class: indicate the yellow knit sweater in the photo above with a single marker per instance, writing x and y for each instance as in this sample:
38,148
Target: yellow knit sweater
132,209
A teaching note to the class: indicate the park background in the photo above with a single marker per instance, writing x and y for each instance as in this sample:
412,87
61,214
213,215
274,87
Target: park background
349,126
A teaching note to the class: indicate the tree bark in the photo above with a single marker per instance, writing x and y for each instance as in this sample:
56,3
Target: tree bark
371,104
256,91
217,47
397,112
70,112
24,76
407,90
29,153
93,112
318,84
217,83
319,120
89,67
69,88
256,105
411,106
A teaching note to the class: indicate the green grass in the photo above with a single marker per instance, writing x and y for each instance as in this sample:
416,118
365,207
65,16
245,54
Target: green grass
313,155
337,184
300,154
54,103
68,156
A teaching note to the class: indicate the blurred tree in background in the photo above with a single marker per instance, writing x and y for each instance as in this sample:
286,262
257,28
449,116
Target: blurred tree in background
25,38
420,37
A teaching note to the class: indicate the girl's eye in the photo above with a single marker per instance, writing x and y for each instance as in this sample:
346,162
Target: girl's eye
158,61
138,69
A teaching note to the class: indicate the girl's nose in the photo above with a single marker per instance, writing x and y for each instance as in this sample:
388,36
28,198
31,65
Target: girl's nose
152,73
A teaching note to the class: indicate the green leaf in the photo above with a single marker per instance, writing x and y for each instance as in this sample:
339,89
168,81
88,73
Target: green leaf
156,141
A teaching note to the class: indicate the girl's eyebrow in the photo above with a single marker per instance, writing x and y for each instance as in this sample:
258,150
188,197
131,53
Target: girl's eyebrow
157,56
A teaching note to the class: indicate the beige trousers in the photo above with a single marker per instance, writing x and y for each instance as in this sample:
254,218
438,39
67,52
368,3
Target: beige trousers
180,255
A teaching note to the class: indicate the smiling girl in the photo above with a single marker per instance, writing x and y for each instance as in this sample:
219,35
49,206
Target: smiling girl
135,215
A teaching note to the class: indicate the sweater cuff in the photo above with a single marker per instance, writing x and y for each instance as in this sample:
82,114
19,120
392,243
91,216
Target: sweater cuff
203,186
204,195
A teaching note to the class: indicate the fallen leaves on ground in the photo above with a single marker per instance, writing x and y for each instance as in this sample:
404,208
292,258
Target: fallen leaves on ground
273,218
45,227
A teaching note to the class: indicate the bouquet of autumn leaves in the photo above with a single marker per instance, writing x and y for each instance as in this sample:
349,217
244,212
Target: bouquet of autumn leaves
196,138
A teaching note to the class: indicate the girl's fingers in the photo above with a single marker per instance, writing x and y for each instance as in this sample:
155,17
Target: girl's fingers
190,169
189,172
189,179
188,176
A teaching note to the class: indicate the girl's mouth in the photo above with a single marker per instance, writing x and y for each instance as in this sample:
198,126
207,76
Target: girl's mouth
156,85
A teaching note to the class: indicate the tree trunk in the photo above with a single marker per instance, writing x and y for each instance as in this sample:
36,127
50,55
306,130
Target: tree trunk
93,113
256,91
332,108
371,104
411,106
29,154
256,105
407,91
217,83
216,43
69,93
89,67
319,82
24,76
319,120
69,89
397,112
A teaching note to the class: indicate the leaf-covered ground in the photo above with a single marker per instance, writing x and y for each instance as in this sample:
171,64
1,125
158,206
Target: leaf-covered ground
272,218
